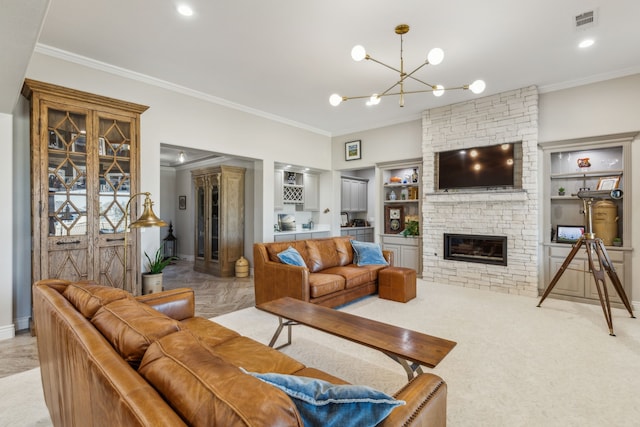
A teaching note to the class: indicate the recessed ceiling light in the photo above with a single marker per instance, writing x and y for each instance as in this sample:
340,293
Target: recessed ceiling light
586,43
185,10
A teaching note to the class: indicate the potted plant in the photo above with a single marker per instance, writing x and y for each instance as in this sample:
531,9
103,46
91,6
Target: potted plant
412,228
152,279
617,241
561,191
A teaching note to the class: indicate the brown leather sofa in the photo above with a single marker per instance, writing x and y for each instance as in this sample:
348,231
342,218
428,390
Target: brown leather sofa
330,278
109,359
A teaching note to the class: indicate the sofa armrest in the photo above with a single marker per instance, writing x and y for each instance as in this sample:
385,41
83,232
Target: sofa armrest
426,397
179,304
273,280
388,255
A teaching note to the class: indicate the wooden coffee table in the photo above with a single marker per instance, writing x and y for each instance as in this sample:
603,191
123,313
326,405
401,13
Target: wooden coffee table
409,348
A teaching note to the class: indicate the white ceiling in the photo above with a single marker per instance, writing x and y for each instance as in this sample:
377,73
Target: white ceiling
285,58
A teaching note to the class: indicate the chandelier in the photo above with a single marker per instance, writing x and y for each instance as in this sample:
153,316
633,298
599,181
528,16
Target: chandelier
434,57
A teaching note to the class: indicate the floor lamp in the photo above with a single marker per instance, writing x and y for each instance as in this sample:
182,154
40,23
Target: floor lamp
147,219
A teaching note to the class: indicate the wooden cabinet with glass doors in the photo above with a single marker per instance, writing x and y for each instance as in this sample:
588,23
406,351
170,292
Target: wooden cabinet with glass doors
219,222
84,167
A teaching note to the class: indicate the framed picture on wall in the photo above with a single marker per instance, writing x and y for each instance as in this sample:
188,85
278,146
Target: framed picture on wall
352,150
608,183
182,202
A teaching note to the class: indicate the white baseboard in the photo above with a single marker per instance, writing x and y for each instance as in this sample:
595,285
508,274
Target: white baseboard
7,332
23,323
635,305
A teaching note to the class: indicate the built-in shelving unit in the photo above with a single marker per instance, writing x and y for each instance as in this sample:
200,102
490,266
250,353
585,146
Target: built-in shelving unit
578,166
401,207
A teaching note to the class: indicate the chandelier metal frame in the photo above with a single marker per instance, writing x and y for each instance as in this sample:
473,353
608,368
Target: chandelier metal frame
434,57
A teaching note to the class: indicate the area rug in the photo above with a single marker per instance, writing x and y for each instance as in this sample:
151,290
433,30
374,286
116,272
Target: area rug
514,365
22,402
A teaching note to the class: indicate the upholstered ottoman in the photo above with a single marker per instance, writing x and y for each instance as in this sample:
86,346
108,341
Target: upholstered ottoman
397,284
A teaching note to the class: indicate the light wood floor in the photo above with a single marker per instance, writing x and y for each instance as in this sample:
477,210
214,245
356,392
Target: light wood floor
214,296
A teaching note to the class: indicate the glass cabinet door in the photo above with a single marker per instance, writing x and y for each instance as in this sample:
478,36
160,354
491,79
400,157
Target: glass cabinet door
65,223
200,229
114,174
215,218
67,169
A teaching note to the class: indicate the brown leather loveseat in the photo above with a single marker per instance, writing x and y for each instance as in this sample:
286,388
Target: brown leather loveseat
109,359
330,278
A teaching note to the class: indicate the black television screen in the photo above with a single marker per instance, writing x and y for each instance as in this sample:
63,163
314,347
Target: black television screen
489,166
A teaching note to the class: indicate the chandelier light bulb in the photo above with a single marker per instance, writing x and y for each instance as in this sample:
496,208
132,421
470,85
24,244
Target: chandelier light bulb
335,99
438,90
478,86
358,53
374,100
435,56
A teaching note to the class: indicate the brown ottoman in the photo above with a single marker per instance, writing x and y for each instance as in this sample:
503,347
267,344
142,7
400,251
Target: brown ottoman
397,284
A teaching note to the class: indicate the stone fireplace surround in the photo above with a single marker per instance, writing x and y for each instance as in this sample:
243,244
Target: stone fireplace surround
503,118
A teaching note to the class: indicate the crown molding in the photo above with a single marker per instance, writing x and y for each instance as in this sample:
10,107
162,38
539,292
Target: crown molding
132,75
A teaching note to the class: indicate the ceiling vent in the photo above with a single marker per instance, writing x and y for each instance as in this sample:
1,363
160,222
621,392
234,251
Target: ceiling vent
586,20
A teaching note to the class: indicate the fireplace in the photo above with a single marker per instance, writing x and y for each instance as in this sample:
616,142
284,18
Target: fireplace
476,248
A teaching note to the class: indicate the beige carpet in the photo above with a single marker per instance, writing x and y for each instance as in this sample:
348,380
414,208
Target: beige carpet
514,365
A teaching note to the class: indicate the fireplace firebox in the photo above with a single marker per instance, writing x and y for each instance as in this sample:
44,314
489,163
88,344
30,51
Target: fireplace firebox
476,248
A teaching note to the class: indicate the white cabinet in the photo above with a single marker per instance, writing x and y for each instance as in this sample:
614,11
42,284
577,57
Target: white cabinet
311,192
363,234
297,189
278,202
406,251
354,195
577,281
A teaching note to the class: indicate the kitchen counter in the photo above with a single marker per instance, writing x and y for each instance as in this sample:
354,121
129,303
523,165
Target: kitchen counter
320,228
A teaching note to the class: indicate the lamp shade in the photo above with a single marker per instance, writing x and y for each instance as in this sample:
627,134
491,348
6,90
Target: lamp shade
478,86
435,56
358,53
335,99
148,217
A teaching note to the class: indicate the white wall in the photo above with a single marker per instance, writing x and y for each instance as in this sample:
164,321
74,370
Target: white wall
604,108
7,329
176,116
390,143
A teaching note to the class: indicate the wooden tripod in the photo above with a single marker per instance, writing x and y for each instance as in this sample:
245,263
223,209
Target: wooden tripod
595,246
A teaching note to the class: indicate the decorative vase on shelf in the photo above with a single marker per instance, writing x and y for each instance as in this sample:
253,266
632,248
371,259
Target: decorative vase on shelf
392,195
414,175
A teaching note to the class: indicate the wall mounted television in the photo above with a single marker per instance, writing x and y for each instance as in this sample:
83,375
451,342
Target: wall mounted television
489,167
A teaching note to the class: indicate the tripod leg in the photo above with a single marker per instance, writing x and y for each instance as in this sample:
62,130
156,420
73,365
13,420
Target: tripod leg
598,275
562,268
615,280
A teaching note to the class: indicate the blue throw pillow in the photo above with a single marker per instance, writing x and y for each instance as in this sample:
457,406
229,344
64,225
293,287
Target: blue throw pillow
366,253
323,404
292,257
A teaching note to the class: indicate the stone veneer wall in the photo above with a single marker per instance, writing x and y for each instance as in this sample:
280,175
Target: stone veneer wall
507,117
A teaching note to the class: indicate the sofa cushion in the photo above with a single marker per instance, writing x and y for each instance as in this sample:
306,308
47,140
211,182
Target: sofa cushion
323,284
344,249
87,297
273,249
254,356
292,257
131,326
210,333
324,404
205,390
367,253
323,254
353,275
